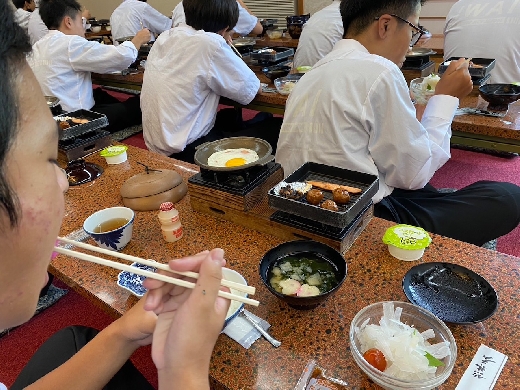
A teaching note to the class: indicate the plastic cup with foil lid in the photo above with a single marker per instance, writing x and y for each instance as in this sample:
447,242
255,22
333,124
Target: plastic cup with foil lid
406,242
115,154
303,69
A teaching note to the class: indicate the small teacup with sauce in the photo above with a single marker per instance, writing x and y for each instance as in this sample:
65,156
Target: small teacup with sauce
111,228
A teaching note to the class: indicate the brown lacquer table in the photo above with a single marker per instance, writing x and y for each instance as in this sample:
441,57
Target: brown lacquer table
321,333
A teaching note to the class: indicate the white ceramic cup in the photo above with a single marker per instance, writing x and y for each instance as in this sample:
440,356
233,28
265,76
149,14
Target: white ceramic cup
116,239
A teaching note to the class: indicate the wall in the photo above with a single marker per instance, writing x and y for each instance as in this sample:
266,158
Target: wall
433,15
102,9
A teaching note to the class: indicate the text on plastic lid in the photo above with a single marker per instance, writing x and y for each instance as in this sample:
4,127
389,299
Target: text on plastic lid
112,151
166,206
407,237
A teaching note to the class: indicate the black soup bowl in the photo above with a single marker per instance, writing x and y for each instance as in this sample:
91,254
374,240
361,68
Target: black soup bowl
499,96
274,73
303,248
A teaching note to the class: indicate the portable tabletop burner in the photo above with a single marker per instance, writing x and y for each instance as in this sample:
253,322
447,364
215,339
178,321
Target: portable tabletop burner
240,189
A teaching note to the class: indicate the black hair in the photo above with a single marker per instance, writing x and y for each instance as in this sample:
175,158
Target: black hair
211,15
52,12
358,15
14,46
21,3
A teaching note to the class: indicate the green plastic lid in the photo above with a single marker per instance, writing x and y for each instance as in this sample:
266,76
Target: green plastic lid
113,151
407,237
303,68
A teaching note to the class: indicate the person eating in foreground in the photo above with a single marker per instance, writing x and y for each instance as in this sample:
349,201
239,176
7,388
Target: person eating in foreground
353,110
182,324
63,60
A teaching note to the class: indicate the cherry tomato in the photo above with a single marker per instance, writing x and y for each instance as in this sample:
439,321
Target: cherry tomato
375,358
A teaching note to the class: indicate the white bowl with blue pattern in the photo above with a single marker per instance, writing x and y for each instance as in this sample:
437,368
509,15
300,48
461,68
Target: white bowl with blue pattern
115,239
133,282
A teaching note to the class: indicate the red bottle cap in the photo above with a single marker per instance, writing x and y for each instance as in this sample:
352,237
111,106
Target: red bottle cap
167,206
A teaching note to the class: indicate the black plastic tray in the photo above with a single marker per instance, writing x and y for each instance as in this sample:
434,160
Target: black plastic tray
281,53
369,185
96,121
487,65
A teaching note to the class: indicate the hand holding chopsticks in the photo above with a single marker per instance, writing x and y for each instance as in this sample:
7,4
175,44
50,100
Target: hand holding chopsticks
153,275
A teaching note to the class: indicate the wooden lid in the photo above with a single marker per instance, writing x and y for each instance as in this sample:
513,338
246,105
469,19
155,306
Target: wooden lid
150,183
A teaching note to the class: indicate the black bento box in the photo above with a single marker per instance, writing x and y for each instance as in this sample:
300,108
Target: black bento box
95,121
271,54
482,69
310,171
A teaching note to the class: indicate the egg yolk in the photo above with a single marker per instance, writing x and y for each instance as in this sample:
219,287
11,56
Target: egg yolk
235,162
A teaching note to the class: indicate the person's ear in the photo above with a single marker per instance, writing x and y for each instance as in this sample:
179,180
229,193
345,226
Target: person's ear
383,25
68,22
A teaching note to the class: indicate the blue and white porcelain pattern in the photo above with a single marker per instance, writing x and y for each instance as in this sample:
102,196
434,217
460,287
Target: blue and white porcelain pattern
116,239
133,282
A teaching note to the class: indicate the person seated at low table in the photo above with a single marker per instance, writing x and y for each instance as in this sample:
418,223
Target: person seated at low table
247,22
353,110
187,71
488,29
63,61
130,17
184,324
319,35
23,12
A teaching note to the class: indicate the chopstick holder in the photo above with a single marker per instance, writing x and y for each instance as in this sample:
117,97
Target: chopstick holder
483,371
241,330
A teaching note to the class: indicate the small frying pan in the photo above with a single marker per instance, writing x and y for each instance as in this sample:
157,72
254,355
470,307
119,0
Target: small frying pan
261,147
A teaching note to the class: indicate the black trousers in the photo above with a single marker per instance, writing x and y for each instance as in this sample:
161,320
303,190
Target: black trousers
120,115
60,347
229,124
478,213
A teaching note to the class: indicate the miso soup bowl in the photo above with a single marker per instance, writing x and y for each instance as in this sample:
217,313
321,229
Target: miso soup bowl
299,247
116,239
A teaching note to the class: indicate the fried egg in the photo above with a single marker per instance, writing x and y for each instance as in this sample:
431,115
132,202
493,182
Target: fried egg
232,157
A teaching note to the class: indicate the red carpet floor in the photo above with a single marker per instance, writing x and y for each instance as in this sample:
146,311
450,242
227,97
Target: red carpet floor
464,168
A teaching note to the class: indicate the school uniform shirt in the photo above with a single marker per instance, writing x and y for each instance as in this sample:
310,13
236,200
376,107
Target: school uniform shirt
21,17
319,35
36,28
486,29
246,22
132,16
180,93
353,110
62,64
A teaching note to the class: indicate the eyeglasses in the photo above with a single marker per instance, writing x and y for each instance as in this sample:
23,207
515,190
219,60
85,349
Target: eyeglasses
416,35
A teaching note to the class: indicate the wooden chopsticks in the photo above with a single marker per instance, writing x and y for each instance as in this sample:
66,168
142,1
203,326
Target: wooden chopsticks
235,49
153,275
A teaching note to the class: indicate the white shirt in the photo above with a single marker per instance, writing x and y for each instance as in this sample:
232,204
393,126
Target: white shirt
21,17
246,22
319,35
62,64
180,93
486,29
353,110
36,28
134,15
